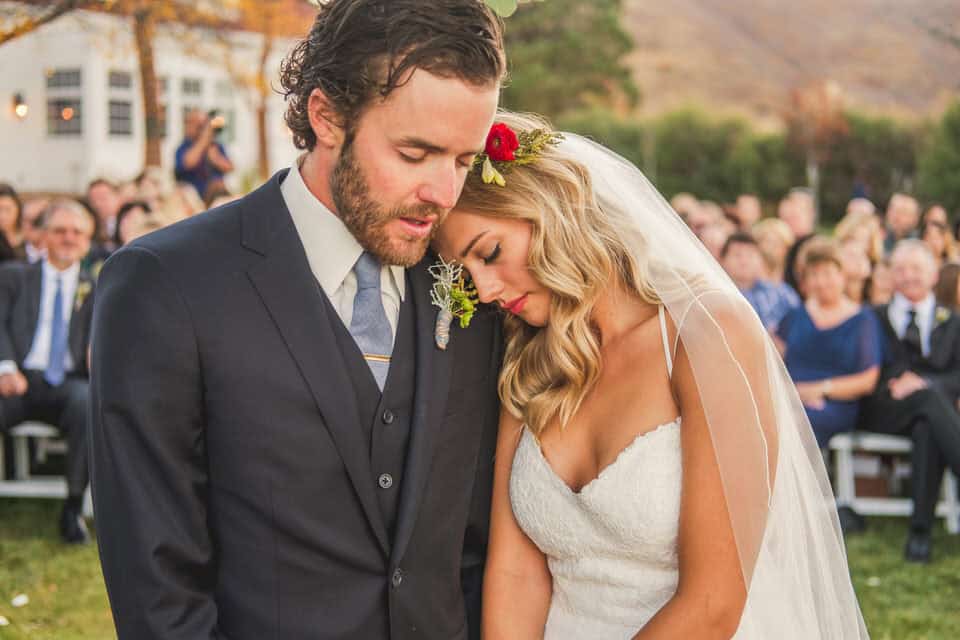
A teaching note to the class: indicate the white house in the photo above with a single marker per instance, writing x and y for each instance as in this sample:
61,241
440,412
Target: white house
71,107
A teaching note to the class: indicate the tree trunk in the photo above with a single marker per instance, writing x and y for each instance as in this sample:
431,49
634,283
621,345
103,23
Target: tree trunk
144,27
813,180
263,93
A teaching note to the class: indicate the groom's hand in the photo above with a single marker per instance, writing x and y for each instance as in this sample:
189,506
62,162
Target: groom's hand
13,384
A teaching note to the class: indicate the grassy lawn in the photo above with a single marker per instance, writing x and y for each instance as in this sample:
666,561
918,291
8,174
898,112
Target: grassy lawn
68,601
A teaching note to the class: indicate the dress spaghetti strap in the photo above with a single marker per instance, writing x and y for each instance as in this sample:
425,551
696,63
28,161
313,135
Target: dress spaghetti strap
666,341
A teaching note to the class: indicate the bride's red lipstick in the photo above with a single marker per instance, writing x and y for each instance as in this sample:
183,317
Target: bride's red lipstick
516,306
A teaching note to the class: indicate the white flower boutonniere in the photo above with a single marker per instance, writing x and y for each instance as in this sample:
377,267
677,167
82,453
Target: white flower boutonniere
456,297
83,290
942,314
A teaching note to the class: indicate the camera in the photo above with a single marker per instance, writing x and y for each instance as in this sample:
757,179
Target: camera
216,120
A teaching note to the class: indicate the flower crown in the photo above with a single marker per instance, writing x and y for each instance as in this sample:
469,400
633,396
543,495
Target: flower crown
505,148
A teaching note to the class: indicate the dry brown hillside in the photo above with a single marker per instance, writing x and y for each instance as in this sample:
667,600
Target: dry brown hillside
746,55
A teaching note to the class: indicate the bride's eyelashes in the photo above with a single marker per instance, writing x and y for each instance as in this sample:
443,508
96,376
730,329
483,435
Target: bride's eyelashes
492,255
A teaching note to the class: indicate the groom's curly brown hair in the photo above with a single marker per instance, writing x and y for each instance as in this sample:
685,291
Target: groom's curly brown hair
358,50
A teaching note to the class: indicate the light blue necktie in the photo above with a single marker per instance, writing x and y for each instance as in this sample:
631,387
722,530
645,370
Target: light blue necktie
56,365
369,325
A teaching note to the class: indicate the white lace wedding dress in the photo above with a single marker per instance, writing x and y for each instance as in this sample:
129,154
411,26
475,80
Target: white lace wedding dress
612,546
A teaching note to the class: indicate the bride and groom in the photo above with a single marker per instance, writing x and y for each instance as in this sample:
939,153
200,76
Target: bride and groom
291,440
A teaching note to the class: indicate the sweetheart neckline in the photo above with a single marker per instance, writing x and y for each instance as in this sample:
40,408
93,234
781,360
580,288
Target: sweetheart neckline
633,443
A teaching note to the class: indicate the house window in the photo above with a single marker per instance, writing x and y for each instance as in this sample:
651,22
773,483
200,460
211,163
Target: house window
191,86
121,118
64,79
64,117
120,79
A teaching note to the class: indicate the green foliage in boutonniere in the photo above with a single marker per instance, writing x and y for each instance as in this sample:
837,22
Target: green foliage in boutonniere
83,290
456,297
942,314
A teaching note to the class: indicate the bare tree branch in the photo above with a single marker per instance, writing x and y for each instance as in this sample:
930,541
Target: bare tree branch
54,11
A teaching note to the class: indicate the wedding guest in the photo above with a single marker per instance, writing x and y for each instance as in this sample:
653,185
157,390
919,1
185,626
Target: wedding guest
919,384
11,223
831,345
45,320
775,239
104,200
34,244
856,269
936,213
879,287
946,291
799,212
748,211
130,217
861,225
939,239
743,262
902,218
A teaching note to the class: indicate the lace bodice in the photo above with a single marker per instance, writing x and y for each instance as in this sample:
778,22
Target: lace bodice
612,547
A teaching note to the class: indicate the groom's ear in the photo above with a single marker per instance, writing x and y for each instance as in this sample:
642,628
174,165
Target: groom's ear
324,120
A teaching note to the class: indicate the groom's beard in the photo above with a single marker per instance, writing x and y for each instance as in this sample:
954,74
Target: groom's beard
367,220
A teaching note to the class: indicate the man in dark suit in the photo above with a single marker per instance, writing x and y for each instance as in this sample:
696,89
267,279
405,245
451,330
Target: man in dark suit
46,312
919,384
280,448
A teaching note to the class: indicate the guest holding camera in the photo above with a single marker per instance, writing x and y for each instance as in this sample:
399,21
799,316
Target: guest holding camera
200,159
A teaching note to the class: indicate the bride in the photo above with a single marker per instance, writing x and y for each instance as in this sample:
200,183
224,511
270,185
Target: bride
656,476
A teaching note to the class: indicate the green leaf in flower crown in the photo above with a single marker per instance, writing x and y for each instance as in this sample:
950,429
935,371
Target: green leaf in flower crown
504,8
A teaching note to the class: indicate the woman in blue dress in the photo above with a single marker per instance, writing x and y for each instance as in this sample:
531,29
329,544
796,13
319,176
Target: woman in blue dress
831,345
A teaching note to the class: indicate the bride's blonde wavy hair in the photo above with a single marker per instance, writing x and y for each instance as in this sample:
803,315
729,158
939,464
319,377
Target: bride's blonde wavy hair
578,250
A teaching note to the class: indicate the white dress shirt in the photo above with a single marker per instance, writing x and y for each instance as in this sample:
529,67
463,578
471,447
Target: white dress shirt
332,252
39,356
899,315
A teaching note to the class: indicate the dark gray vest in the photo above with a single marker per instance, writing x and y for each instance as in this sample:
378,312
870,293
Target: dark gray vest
385,418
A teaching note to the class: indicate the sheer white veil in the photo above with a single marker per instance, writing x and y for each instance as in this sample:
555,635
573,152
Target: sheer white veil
781,506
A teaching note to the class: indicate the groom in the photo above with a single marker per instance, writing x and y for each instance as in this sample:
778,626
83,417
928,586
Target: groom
280,450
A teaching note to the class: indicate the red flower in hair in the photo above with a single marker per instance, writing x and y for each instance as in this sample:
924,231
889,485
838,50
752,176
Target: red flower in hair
501,143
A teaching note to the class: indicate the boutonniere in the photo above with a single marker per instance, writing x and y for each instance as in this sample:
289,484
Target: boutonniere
456,297
942,314
83,290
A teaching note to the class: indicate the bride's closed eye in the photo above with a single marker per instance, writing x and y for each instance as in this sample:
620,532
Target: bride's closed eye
492,255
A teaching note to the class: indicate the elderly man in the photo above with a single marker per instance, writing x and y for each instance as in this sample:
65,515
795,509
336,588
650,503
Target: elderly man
902,219
45,318
919,383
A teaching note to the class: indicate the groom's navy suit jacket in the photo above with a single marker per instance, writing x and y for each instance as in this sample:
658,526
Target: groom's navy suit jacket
232,476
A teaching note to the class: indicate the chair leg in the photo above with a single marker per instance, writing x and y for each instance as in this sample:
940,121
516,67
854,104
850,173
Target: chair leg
952,502
846,492
21,458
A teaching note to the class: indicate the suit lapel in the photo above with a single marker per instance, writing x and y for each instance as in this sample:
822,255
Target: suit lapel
75,333
430,401
293,297
34,277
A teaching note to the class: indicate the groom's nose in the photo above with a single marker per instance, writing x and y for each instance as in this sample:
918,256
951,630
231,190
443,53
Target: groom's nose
443,187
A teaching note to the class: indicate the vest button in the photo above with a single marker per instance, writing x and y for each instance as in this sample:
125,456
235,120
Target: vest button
388,416
397,579
385,480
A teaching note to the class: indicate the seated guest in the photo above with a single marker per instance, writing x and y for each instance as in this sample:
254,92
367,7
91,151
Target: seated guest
831,345
45,316
946,291
33,241
902,218
879,287
775,239
919,383
11,221
856,268
939,238
862,226
742,261
799,211
129,218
